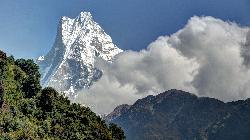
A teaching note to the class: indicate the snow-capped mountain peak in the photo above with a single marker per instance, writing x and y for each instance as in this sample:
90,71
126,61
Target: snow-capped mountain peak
70,64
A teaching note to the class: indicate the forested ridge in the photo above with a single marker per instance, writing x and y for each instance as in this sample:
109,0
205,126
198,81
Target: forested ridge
27,111
180,115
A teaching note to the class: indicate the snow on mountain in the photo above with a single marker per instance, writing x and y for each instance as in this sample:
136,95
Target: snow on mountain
70,64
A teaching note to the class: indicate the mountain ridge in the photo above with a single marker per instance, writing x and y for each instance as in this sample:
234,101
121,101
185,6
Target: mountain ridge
70,65
179,115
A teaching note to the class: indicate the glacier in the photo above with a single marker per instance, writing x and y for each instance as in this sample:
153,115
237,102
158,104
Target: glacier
70,65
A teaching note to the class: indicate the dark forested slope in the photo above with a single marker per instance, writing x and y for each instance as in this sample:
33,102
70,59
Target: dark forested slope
179,115
29,112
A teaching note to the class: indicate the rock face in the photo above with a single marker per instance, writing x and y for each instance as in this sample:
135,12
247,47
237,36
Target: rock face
70,64
118,111
178,115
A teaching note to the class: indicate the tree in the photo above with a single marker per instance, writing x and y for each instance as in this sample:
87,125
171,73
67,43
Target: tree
2,68
1,93
117,132
31,85
47,99
2,55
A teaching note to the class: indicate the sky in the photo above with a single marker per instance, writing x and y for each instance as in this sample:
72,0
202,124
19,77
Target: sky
28,27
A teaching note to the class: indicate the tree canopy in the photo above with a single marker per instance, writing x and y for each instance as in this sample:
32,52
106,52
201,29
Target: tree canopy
29,112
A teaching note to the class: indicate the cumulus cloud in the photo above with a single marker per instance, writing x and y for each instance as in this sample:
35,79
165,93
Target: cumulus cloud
136,74
217,47
208,57
246,50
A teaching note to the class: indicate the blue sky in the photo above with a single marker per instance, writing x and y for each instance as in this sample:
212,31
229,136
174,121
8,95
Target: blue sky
28,27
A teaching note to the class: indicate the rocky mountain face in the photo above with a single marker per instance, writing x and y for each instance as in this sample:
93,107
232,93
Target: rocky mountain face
70,64
178,115
118,111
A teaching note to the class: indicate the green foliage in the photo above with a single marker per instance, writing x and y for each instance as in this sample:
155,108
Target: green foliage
31,84
29,112
47,99
117,132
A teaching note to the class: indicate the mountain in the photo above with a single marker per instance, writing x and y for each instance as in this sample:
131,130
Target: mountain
70,64
118,111
28,112
179,115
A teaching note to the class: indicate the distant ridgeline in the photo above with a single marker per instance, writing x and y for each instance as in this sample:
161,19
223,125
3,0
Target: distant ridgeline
28,112
179,115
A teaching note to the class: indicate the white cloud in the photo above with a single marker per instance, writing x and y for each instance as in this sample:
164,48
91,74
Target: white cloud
208,57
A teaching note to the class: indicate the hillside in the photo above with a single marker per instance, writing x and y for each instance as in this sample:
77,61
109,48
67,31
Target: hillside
179,115
29,112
